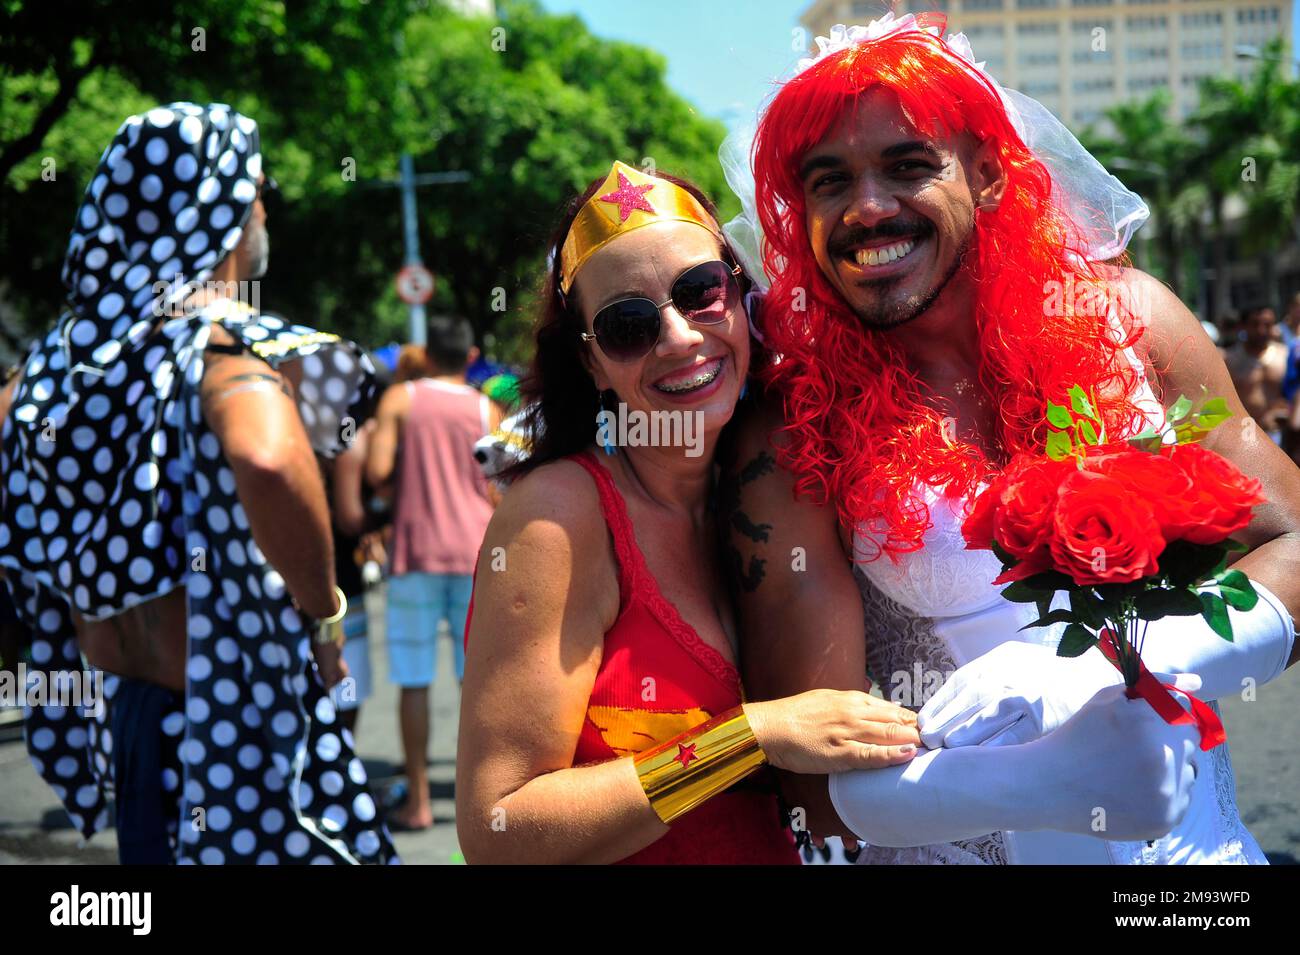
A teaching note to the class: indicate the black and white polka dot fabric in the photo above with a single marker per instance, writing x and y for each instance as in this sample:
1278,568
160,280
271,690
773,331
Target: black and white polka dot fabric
115,491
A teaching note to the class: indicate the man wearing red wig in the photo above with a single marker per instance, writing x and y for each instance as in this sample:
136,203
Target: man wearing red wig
929,235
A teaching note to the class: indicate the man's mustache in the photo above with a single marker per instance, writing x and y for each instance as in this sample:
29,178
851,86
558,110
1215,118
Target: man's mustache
846,243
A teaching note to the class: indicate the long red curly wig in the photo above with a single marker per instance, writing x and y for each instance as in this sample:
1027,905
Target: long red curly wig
862,429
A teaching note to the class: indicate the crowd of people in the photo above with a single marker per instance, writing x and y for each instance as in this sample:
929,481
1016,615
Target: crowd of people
665,657
1263,355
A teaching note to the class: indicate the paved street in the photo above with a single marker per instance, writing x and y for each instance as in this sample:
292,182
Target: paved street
33,828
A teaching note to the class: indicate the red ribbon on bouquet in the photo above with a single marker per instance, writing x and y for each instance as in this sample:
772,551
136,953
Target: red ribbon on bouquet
1160,696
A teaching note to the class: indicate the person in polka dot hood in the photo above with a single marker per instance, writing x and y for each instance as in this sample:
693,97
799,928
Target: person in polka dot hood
136,499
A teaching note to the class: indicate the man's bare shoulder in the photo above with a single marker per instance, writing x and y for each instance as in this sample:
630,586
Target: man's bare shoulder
757,429
395,401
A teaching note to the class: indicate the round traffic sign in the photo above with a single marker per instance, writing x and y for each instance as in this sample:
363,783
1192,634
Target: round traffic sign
414,284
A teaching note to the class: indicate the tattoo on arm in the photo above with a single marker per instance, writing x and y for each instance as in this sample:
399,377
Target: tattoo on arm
755,532
746,577
763,463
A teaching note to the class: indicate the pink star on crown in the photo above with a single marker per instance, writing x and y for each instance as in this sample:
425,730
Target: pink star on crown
629,197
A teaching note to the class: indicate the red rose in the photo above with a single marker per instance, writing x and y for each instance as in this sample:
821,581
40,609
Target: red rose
1221,497
1104,532
1023,524
1162,483
977,529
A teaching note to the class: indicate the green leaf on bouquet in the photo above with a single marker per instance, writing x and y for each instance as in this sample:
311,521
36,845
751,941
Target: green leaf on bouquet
1050,581
1185,563
1001,554
1044,604
1021,592
1088,433
1215,612
1212,414
1236,546
1081,405
1112,595
1060,615
1237,591
1179,410
1150,441
1188,432
1154,604
1087,609
1058,416
1058,445
1076,641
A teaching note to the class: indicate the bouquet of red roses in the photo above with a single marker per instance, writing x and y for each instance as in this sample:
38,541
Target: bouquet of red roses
1133,531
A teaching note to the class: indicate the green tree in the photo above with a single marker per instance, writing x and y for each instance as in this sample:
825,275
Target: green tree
533,106
1149,153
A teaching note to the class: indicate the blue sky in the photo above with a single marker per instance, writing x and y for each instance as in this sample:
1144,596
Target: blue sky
723,55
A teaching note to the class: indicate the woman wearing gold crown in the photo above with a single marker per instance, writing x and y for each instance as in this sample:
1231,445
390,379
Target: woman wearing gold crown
602,716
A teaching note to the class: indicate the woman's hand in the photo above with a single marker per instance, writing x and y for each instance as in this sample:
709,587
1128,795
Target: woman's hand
829,731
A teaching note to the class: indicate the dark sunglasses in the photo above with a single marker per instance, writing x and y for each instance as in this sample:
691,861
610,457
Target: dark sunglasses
628,329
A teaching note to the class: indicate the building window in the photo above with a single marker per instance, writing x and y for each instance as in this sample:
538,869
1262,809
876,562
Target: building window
1098,84
1050,27
1144,54
1038,58
1203,51
1147,23
1036,4
1091,3
1192,20
970,5
1087,26
1141,83
1093,56
1259,15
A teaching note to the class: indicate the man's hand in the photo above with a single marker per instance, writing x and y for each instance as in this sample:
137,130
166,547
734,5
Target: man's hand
1015,693
331,666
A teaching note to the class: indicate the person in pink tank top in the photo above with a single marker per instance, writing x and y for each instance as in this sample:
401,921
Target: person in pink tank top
422,456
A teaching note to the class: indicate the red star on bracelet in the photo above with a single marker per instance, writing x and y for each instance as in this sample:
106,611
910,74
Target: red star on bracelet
685,754
629,197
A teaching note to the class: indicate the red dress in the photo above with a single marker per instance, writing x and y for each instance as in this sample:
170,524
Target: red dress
657,679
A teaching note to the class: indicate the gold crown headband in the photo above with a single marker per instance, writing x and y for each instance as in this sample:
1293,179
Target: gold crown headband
628,199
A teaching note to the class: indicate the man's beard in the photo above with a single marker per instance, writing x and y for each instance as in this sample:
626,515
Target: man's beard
259,251
888,315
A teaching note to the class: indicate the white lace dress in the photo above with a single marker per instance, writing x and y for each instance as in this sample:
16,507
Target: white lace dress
936,610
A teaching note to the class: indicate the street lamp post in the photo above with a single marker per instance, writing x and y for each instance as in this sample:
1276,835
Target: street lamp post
408,182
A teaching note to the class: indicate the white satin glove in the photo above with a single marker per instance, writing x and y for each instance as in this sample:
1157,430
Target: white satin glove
1115,770
1018,692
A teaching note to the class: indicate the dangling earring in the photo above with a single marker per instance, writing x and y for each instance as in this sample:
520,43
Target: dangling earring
744,389
600,407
